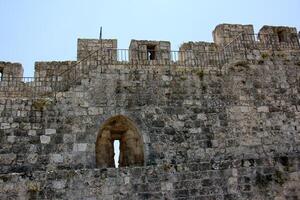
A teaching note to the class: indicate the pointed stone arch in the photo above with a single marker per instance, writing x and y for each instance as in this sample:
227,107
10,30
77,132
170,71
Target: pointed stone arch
131,144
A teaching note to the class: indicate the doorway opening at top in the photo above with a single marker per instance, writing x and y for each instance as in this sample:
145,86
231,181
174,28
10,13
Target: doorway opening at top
151,54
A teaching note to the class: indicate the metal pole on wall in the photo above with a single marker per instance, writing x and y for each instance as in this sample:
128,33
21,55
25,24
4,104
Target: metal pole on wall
100,38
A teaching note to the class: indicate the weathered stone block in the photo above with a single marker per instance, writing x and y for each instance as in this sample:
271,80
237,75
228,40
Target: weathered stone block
50,131
45,139
5,126
263,109
7,159
95,110
11,139
32,132
56,158
60,184
80,147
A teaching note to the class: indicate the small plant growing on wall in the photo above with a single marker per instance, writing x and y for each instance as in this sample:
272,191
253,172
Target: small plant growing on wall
264,55
261,62
279,177
200,74
33,187
41,104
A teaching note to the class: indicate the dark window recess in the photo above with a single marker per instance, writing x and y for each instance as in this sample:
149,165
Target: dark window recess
282,36
151,52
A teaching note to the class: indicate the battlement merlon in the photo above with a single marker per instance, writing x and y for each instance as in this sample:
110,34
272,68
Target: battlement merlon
225,33
283,34
52,69
149,50
9,70
87,46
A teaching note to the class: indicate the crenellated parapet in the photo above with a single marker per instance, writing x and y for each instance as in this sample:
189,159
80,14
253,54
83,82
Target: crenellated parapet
231,41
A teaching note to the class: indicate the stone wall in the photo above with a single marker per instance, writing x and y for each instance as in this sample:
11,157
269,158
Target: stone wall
205,135
183,116
264,178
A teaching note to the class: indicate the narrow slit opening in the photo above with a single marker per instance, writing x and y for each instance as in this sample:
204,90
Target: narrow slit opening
116,152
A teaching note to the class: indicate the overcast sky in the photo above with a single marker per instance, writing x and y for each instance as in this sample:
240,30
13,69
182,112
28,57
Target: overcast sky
40,30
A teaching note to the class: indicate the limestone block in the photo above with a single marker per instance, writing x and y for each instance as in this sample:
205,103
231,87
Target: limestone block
263,109
188,102
69,138
95,110
15,125
59,184
5,126
80,147
195,130
7,159
166,186
245,109
56,158
202,116
127,180
50,131
11,139
166,78
32,132
45,139
32,158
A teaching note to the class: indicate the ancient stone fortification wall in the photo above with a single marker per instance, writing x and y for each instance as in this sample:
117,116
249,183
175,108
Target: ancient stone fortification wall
205,135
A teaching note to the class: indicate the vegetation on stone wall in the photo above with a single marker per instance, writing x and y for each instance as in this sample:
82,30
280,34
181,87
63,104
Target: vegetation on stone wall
41,104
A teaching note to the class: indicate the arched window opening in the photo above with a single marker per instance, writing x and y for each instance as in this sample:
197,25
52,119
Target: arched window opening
131,153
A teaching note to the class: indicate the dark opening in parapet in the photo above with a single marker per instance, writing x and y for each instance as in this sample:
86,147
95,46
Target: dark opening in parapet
1,74
282,36
151,52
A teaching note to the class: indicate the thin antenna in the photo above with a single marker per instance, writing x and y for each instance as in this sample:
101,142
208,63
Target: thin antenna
100,36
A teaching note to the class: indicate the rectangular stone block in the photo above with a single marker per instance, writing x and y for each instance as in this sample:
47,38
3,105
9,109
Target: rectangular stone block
79,147
56,158
32,132
50,131
263,109
95,110
45,139
5,126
